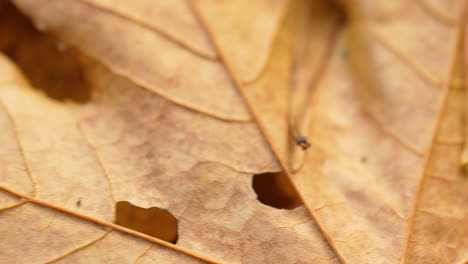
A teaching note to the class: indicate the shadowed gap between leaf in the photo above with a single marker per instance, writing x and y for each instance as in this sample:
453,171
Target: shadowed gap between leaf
50,65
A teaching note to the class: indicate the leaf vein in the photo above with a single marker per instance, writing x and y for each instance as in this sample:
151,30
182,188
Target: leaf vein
79,248
109,225
152,27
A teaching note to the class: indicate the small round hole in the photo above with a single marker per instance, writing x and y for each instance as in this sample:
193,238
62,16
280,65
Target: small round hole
275,189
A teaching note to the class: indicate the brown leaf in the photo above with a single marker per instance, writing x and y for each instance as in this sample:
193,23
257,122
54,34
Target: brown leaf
129,144
150,105
438,232
370,118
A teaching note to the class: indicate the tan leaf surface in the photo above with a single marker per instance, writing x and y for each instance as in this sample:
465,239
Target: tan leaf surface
82,160
172,19
76,160
439,232
144,56
36,166
252,23
167,123
370,118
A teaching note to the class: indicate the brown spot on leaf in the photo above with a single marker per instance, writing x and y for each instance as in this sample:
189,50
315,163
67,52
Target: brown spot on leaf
149,155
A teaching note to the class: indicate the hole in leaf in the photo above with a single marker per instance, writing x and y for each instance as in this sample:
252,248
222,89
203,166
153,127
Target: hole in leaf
154,221
276,190
48,64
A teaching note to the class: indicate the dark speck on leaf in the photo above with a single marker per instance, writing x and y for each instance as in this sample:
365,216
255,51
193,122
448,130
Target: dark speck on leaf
302,142
345,54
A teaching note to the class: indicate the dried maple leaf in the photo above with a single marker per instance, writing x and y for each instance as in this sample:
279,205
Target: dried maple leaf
161,123
370,118
128,143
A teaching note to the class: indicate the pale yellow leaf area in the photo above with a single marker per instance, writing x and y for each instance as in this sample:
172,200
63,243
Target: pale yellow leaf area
112,149
189,99
371,115
71,162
